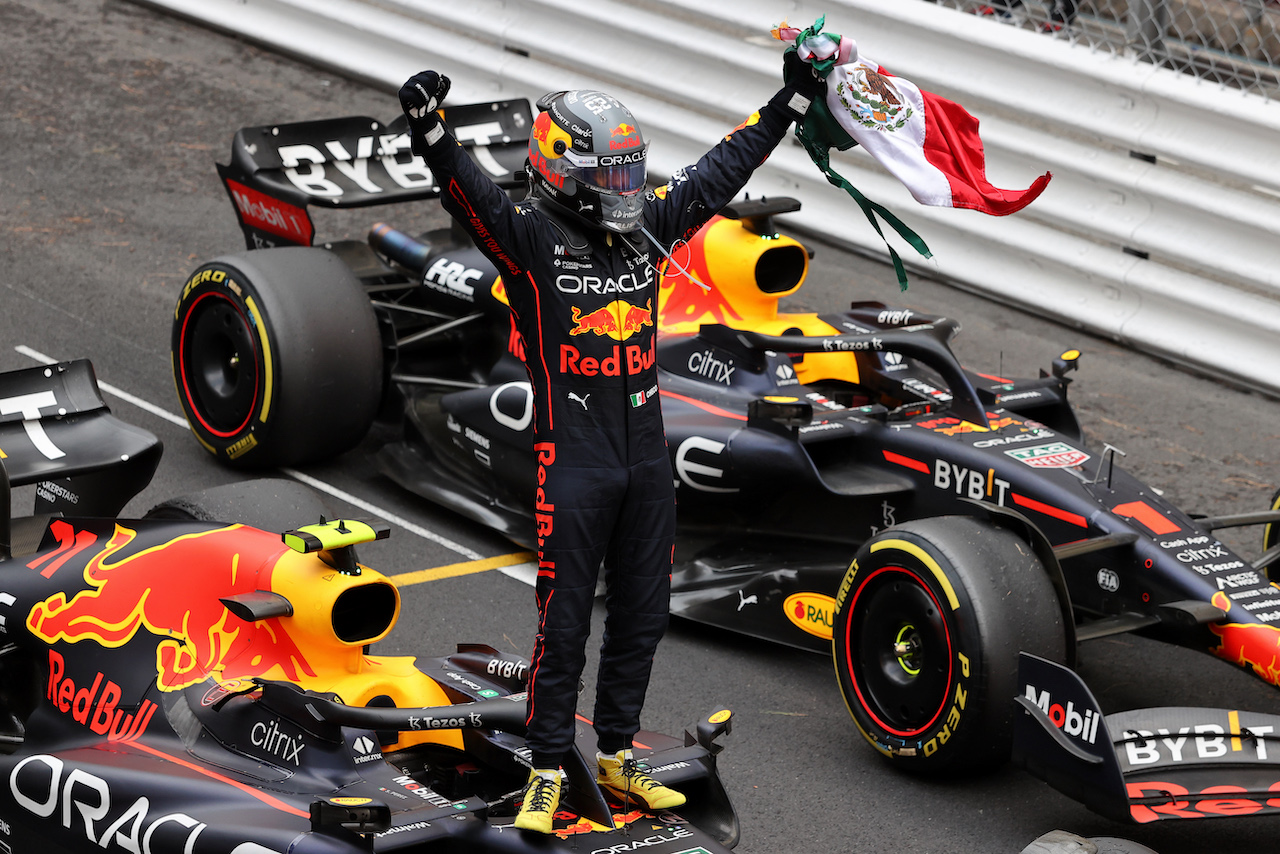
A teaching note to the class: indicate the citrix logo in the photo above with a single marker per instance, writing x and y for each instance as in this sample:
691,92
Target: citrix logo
271,739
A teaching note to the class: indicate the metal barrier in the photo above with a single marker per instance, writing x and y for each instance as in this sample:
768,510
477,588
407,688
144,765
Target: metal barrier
1159,230
1232,42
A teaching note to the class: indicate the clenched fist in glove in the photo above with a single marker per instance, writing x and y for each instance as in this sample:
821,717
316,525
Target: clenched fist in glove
420,97
805,85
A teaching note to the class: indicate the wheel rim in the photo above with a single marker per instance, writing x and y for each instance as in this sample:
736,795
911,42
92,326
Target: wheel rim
898,651
218,364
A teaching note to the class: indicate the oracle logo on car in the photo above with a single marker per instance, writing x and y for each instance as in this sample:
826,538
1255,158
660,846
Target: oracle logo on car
50,788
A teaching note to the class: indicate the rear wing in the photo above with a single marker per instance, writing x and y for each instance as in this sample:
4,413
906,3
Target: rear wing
56,432
277,171
1144,765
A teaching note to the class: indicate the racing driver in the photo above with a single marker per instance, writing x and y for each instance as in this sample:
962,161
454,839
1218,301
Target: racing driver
577,260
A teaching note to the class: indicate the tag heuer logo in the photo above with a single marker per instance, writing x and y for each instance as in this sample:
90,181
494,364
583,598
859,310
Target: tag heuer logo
1053,456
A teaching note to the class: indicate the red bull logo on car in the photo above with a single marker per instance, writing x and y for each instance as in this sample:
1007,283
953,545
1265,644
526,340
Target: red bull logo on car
95,705
1253,645
619,320
172,591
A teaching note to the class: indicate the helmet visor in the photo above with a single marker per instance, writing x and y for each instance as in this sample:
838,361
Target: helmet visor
615,174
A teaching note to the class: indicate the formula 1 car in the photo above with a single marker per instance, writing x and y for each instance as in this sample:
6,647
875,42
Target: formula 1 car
844,484
172,684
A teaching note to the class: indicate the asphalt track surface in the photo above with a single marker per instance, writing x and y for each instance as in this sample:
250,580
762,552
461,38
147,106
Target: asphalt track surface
111,117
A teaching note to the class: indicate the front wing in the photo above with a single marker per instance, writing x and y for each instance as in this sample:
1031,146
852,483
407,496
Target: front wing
1144,765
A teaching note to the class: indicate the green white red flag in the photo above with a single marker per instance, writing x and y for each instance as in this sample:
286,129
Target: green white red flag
927,142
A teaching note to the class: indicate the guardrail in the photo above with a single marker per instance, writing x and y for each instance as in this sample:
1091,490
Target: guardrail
1159,230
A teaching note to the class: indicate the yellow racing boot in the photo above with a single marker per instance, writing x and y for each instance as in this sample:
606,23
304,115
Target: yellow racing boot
620,775
541,800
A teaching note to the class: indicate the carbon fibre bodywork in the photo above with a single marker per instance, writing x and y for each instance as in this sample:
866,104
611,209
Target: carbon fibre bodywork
795,439
174,685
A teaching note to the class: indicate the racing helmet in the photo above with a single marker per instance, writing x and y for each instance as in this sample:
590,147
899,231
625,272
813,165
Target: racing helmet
587,157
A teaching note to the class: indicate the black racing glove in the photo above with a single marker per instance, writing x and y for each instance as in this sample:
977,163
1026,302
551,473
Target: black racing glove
420,97
801,85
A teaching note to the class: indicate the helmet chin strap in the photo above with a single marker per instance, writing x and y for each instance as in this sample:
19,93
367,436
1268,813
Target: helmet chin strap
667,254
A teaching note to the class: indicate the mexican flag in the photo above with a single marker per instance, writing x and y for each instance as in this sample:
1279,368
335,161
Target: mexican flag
927,142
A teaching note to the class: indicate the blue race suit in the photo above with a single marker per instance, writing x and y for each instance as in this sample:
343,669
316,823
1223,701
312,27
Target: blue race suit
584,302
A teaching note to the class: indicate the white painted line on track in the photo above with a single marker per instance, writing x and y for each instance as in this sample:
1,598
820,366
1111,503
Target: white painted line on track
400,522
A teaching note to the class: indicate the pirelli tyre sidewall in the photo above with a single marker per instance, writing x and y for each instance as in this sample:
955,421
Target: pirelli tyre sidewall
276,357
929,620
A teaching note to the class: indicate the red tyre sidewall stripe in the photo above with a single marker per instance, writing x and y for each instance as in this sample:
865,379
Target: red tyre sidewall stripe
848,653
182,367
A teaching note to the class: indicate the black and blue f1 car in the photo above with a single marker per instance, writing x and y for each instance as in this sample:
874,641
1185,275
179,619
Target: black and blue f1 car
845,484
177,684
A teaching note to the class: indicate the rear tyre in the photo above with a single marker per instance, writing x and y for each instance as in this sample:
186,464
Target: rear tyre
1271,536
276,357
929,621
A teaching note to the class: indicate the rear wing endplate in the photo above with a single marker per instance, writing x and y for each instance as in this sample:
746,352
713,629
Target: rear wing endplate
56,432
277,171
1144,765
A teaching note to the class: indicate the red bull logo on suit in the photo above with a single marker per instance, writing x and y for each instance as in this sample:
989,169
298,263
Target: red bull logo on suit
619,320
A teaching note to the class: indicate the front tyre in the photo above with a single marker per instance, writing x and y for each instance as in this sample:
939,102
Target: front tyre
276,357
929,621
